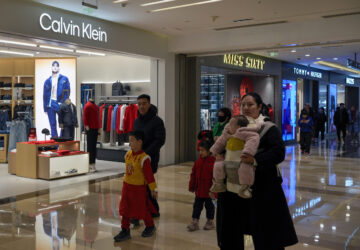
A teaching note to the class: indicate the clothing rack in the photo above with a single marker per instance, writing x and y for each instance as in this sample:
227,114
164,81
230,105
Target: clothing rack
118,99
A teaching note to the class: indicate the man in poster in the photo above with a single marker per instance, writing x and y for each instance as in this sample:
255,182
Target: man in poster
56,90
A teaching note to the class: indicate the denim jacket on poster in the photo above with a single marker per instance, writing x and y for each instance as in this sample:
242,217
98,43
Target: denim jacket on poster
62,84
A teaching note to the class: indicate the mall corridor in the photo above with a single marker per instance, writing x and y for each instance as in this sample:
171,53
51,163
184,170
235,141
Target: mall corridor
322,190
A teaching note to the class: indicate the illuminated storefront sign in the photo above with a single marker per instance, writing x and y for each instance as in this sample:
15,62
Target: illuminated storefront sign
244,61
85,30
350,80
307,73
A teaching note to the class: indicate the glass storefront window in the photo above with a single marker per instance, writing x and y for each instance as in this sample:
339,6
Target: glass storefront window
288,110
332,106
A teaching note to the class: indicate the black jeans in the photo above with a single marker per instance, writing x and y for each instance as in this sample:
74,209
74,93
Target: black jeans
153,201
338,131
91,137
68,132
318,130
305,141
199,205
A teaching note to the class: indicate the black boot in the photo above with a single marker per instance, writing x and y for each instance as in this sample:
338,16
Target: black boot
123,235
148,232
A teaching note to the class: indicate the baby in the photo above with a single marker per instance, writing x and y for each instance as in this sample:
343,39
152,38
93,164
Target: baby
238,139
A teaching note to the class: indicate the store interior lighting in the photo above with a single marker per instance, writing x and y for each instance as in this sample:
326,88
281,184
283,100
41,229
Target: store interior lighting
157,2
18,43
15,53
55,48
90,53
338,66
185,5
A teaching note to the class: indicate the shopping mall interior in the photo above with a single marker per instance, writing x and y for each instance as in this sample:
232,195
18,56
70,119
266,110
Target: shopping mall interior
194,60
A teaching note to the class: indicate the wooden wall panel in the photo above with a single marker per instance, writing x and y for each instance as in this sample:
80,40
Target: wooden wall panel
24,67
6,67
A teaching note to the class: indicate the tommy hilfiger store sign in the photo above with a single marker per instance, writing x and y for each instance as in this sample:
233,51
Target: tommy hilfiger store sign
69,28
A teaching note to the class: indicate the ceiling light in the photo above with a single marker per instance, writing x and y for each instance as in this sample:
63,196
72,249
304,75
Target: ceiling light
185,5
15,53
338,66
93,6
307,55
290,45
321,226
335,58
157,2
90,53
37,52
55,48
318,58
120,1
18,43
293,51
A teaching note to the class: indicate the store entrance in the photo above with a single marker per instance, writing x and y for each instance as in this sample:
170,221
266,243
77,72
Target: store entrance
352,97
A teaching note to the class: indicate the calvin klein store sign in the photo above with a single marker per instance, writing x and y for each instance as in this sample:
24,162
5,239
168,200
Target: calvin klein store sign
83,30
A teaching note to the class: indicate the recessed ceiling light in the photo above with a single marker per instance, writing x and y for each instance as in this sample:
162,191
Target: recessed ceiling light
15,53
307,55
18,43
120,1
157,2
335,58
55,48
185,5
293,51
90,53
318,58
338,66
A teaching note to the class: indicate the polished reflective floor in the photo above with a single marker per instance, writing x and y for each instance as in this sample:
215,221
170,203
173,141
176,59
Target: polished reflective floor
323,193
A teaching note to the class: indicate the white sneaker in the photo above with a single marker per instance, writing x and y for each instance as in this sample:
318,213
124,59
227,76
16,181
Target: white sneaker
92,168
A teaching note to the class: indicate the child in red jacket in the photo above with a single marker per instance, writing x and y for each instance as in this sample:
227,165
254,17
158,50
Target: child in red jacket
200,182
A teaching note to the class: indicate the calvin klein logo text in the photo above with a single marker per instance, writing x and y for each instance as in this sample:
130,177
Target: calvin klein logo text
86,31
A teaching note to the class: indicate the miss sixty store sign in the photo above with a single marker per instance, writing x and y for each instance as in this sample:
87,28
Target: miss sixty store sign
61,26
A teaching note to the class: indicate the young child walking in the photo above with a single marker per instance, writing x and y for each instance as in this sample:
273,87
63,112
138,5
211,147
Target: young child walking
306,126
200,183
238,140
135,203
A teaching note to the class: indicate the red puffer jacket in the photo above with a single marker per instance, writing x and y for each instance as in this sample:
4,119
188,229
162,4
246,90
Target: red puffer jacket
202,176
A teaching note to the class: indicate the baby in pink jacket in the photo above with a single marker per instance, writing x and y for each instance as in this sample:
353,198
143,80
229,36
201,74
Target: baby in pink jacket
238,139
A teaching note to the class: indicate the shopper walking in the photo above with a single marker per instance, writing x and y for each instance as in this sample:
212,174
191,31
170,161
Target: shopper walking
200,182
91,122
320,121
68,119
341,120
153,127
224,116
305,123
266,215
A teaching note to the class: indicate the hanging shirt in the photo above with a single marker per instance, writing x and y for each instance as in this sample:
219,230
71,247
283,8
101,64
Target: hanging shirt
101,115
118,111
113,123
54,83
108,127
131,114
122,115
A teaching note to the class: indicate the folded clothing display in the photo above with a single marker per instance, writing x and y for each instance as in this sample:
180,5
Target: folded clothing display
40,142
49,153
63,152
7,85
19,85
61,139
48,148
6,97
29,85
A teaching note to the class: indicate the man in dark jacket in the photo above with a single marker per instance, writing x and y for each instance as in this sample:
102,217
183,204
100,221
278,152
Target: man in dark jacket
153,127
341,120
68,119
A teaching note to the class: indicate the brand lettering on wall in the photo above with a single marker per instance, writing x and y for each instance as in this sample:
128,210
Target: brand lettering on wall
350,80
85,30
244,61
305,72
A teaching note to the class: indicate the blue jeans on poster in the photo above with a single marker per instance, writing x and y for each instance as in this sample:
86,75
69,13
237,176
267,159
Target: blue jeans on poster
52,120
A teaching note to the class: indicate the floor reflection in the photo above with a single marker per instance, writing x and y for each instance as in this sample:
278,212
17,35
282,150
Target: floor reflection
322,190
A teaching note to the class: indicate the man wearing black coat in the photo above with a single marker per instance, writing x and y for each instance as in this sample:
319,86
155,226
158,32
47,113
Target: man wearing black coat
153,127
68,119
341,120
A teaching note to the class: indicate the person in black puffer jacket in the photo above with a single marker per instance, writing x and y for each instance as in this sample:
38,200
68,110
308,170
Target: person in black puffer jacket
153,127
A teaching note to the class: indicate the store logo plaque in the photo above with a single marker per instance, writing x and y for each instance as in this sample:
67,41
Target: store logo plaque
248,62
85,30
304,72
